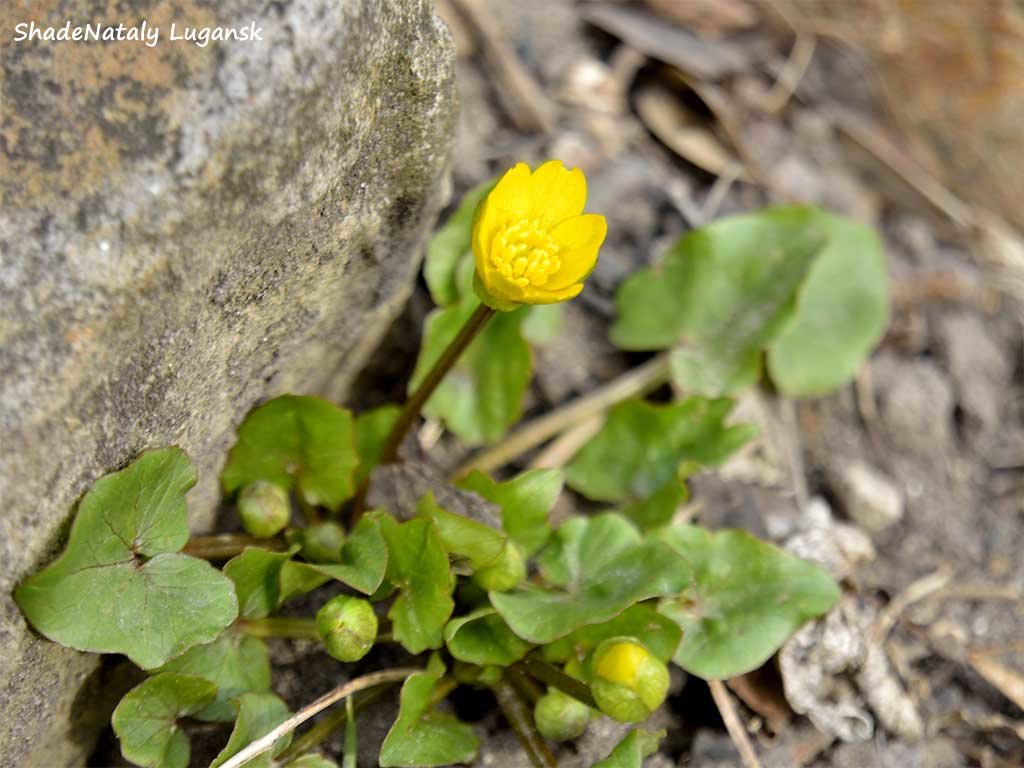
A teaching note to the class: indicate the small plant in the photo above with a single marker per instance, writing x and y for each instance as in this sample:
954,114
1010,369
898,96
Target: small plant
564,624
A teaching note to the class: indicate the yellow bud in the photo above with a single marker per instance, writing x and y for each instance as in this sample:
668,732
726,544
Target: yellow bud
532,243
628,681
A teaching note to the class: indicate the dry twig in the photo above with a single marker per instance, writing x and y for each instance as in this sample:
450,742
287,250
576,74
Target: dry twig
737,732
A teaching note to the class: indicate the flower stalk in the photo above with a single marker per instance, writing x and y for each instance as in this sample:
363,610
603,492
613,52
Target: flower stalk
476,323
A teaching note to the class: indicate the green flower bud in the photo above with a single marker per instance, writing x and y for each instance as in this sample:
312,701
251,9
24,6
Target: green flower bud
264,508
505,573
560,717
348,627
628,681
322,543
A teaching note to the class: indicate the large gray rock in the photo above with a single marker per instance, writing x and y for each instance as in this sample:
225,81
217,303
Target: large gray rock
185,231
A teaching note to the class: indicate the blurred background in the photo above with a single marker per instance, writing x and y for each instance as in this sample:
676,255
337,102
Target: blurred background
902,114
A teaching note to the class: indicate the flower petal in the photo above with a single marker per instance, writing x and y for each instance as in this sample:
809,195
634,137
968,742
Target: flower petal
579,239
540,296
510,198
556,193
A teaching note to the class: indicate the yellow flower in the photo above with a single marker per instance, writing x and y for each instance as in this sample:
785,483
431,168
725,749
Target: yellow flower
531,240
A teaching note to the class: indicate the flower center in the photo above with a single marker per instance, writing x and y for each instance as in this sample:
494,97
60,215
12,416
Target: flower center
525,254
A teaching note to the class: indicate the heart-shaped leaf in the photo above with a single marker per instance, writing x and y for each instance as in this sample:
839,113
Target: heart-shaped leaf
421,736
841,312
234,662
364,560
372,430
597,585
120,586
641,446
482,637
525,501
258,715
746,599
304,443
146,719
418,566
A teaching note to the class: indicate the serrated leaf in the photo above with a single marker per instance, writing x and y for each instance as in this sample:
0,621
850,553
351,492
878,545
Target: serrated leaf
304,443
120,586
482,637
746,599
146,719
632,750
525,501
258,715
721,294
421,736
602,567
256,573
418,566
479,544
841,313
372,430
364,560
451,245
641,446
482,396
236,663
659,633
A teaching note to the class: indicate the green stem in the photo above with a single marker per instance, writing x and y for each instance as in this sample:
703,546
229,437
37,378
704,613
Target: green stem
222,546
279,626
417,399
520,718
556,678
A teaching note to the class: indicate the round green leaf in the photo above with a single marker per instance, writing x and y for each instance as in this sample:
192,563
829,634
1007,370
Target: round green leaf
841,313
483,638
304,443
120,586
146,719
746,599
526,501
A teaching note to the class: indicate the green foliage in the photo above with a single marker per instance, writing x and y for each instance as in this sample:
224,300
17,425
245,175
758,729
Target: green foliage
657,632
422,736
258,715
301,443
805,286
641,447
632,750
525,503
841,313
372,430
234,662
418,566
257,577
450,246
124,543
146,720
482,637
364,560
478,544
313,761
746,599
596,574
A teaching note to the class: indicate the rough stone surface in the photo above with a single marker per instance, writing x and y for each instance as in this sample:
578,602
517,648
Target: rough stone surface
185,231
870,498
